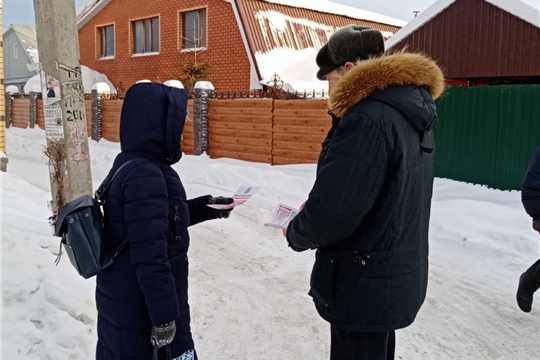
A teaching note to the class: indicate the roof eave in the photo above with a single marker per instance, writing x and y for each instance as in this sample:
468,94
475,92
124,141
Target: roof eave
245,38
418,22
86,17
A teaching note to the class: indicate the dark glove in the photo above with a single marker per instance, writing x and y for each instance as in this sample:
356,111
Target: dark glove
163,335
220,200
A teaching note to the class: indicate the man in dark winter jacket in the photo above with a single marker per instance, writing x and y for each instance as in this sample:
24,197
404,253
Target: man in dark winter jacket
142,298
368,212
529,281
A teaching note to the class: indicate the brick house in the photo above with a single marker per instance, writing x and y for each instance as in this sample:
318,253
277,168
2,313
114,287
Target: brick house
130,40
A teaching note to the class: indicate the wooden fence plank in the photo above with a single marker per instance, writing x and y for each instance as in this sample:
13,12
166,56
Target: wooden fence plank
242,134
216,110
239,140
242,103
300,129
308,113
110,126
317,139
188,136
215,126
296,154
285,145
241,118
279,160
302,121
240,156
301,104
248,149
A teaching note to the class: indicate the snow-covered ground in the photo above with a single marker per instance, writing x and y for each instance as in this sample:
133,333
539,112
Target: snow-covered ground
248,289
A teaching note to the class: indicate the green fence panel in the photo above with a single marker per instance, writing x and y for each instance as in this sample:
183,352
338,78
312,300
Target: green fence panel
487,135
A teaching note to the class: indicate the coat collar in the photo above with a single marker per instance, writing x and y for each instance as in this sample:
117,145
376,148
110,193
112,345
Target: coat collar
379,73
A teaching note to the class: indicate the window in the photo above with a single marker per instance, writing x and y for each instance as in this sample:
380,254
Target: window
146,36
16,51
194,29
106,41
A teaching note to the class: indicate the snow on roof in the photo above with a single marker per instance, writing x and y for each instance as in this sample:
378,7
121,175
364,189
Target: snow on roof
34,54
278,30
90,77
527,10
298,73
338,9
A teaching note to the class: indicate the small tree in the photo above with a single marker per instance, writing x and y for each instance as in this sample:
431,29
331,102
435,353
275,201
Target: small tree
196,68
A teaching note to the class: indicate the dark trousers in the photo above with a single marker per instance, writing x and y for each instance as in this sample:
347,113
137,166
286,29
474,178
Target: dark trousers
345,345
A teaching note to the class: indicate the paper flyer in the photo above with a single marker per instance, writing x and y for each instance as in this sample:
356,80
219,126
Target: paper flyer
243,194
282,216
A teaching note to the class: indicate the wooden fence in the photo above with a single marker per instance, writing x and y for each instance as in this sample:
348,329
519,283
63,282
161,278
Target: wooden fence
240,129
20,113
277,132
299,129
111,110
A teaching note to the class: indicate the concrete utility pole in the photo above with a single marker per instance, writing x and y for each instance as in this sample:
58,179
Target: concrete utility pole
3,157
63,101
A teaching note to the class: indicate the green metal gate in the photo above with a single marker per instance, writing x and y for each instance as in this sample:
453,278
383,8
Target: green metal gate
487,135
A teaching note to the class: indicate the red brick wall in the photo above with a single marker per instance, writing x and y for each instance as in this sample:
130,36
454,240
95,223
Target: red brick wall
225,49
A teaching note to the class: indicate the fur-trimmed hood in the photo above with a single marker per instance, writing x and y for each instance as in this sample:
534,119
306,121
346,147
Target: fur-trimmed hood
384,72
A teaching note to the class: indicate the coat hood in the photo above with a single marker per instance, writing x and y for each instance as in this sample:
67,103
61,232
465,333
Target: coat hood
152,120
408,82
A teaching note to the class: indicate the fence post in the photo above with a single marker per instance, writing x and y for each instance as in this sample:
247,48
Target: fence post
32,104
97,116
203,89
9,101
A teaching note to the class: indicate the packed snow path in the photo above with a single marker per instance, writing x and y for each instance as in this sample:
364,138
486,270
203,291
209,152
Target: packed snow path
248,290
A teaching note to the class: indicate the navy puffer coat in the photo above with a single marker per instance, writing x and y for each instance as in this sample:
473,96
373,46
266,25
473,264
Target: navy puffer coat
147,284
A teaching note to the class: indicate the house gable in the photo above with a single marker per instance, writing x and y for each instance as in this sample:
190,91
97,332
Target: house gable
517,8
23,38
476,41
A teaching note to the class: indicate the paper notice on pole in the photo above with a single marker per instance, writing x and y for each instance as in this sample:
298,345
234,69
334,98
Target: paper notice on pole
50,89
54,129
243,194
282,216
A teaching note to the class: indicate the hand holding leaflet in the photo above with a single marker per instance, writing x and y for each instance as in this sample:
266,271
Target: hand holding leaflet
282,216
243,194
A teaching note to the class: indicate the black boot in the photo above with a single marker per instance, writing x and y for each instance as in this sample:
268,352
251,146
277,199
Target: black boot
529,282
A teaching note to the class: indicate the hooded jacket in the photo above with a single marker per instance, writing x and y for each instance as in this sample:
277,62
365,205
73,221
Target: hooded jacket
147,284
530,192
368,212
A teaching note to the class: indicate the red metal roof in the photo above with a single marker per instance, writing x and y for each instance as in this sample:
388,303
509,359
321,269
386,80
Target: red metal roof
301,28
475,40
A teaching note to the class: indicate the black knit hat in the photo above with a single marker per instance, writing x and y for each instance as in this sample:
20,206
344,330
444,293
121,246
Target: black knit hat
349,44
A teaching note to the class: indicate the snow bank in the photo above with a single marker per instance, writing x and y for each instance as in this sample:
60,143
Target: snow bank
248,290
296,68
90,78
49,312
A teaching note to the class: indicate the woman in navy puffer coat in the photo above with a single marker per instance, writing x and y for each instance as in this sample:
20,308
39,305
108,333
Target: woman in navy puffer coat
147,285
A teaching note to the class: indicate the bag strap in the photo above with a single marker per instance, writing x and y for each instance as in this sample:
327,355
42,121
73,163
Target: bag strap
167,349
104,188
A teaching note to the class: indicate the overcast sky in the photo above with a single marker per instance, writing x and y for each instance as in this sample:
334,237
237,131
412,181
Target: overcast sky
22,12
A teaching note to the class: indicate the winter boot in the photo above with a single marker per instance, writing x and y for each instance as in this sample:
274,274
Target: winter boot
529,282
